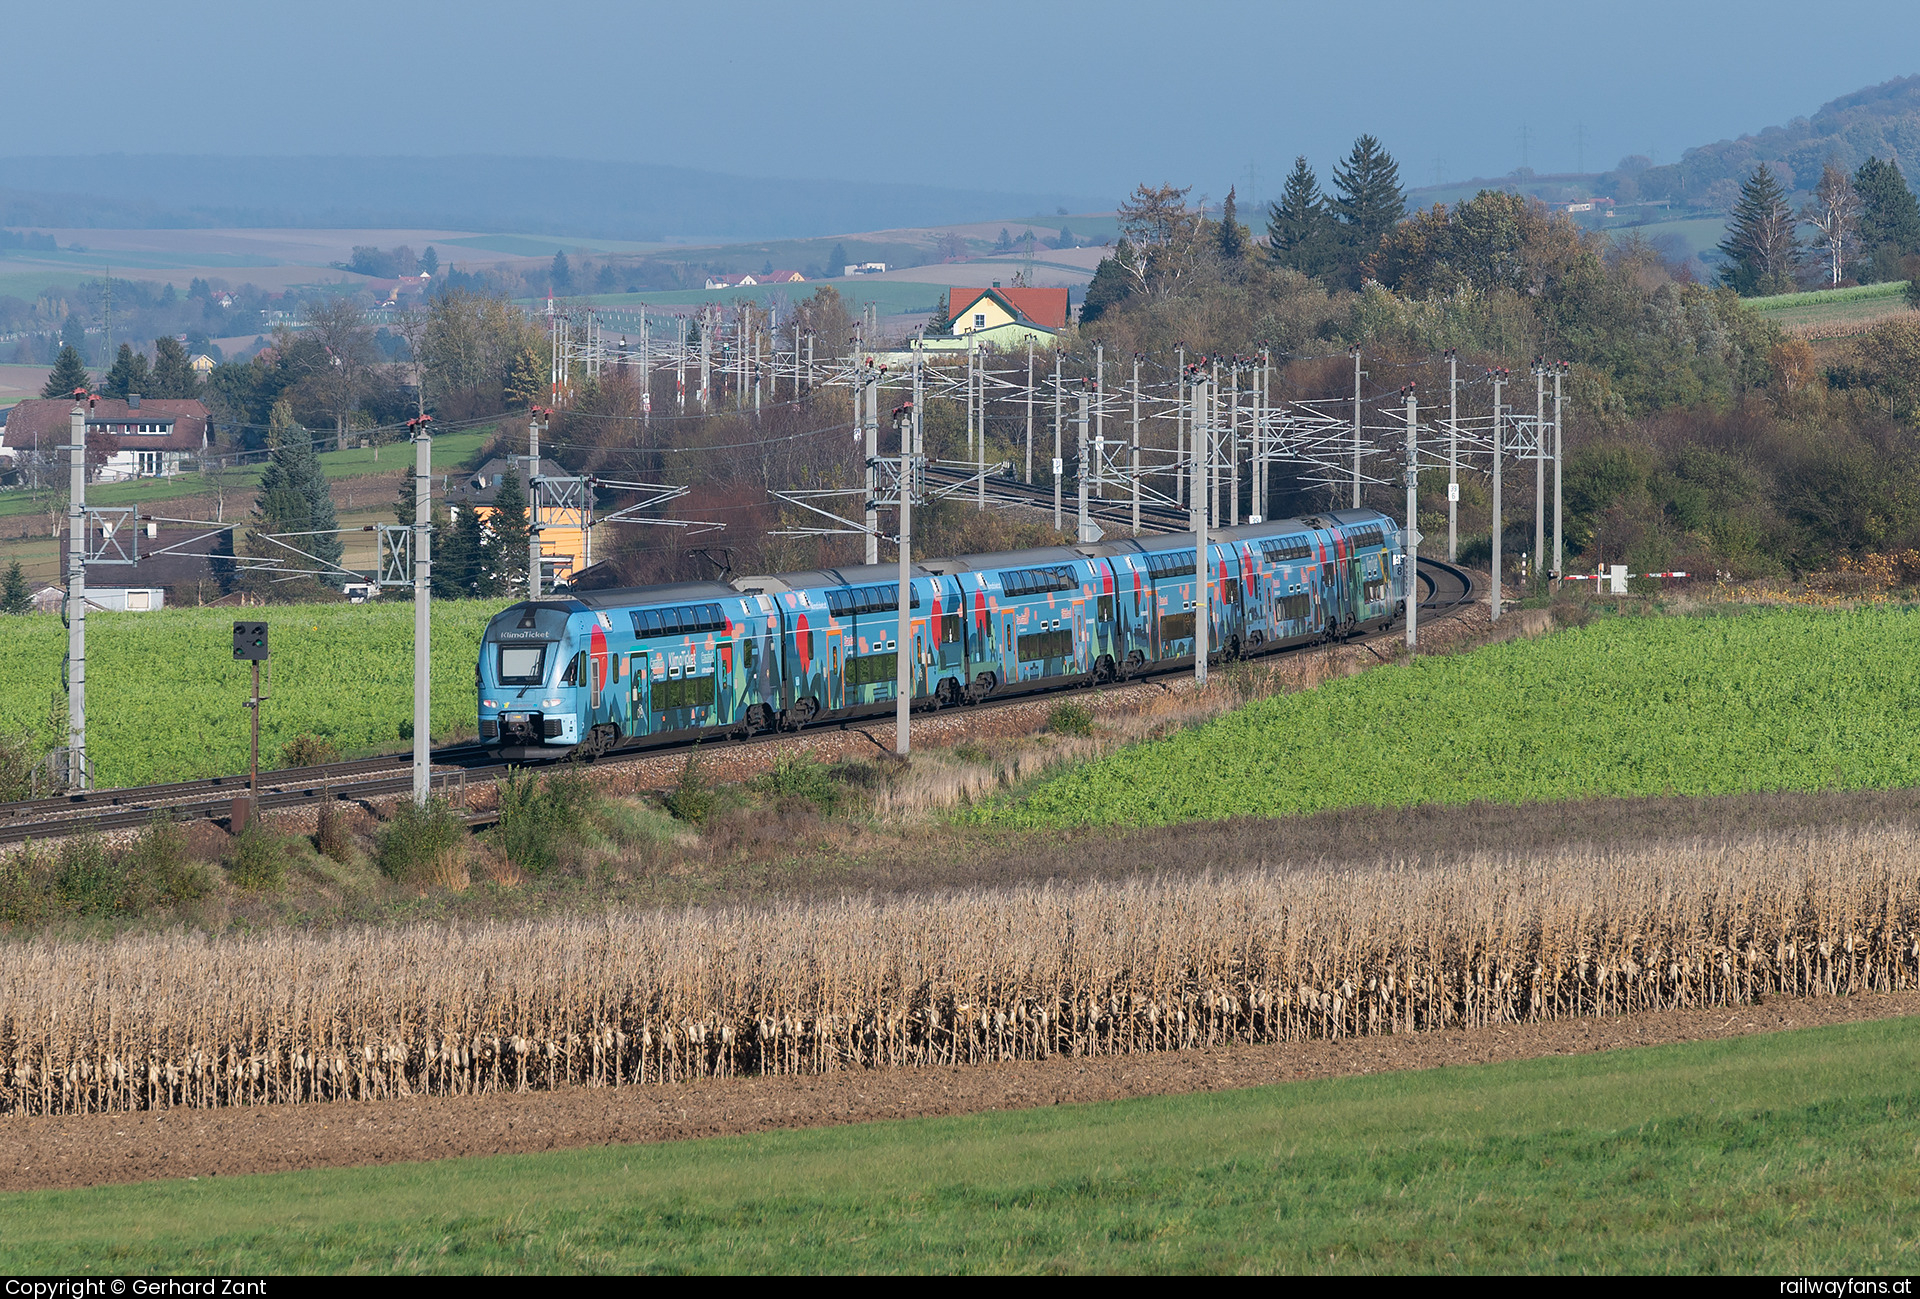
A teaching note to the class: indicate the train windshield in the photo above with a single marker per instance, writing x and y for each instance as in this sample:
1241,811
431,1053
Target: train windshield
522,665
523,638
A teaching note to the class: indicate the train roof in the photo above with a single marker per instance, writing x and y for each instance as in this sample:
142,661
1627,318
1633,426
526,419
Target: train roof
671,593
814,578
1033,558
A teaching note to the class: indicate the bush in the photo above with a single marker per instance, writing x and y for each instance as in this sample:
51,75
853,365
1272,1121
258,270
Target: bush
159,861
257,859
19,756
1070,718
1569,612
25,897
331,836
796,775
692,797
424,845
86,880
541,818
305,750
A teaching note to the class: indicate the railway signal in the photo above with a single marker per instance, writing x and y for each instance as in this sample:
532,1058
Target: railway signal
250,646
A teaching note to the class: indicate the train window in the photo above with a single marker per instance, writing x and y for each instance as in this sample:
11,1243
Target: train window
1293,608
837,600
685,692
1105,609
950,629
522,665
1286,550
1230,590
647,622
1046,645
669,622
1367,537
1173,563
1176,626
1038,581
872,669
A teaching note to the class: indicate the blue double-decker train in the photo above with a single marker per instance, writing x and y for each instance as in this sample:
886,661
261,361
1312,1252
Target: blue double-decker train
583,673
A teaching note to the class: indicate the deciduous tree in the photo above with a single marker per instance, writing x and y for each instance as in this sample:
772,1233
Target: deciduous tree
1162,235
1834,212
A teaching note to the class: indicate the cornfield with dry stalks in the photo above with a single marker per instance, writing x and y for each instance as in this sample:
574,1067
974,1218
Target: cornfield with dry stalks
1146,965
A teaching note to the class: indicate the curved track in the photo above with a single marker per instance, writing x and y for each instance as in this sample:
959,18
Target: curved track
1444,588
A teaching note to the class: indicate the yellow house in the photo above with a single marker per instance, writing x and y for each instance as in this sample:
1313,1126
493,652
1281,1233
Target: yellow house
993,310
564,544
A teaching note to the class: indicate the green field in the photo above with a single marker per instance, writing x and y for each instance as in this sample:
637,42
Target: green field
450,451
1863,303
1769,699
164,696
1780,1153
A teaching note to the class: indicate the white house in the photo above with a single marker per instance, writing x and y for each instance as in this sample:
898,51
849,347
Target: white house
149,438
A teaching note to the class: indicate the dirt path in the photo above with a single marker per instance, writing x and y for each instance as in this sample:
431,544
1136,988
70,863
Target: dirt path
44,1152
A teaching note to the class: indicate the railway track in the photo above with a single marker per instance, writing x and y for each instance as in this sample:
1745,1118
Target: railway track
1444,587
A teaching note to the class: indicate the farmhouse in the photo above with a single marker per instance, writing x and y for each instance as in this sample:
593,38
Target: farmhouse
1004,318
131,438
563,529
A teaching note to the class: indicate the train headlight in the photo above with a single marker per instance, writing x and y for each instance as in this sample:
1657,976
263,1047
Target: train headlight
488,703
551,703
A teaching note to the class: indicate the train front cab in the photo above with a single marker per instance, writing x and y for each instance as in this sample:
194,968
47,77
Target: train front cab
528,677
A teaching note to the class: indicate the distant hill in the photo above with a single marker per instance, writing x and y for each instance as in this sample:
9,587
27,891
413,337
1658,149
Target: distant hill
613,200
1881,121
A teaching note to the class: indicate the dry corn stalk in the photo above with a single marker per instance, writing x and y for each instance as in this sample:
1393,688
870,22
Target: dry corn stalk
1146,965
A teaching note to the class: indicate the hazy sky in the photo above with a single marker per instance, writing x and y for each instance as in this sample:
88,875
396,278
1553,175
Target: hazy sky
1078,97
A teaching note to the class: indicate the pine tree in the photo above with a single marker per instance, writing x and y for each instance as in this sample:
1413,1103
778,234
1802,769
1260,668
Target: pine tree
561,273
1760,246
16,597
1298,225
1368,203
836,260
172,375
452,561
941,322
1231,240
476,577
1111,284
129,375
69,372
294,467
507,525
1889,220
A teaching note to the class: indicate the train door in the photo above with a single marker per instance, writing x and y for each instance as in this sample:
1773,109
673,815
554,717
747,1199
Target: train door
1106,649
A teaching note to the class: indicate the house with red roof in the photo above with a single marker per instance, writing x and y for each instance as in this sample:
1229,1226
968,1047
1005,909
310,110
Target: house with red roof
148,438
1004,317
